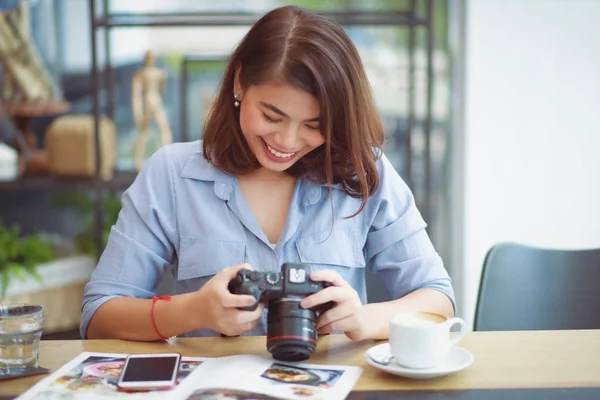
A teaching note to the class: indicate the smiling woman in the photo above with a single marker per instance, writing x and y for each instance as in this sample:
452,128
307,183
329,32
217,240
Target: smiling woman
290,171
297,81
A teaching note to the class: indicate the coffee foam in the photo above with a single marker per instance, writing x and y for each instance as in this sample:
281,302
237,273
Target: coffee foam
417,322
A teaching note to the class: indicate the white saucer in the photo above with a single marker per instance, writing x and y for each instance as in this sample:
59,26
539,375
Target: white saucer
458,359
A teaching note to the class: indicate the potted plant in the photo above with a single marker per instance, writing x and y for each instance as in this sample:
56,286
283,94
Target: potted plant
43,269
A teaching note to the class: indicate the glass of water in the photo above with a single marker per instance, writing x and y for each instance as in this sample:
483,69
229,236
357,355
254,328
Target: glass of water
20,332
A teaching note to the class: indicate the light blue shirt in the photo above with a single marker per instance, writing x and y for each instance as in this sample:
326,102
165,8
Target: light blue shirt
185,217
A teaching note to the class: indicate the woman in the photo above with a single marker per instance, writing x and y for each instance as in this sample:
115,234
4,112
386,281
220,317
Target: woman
290,170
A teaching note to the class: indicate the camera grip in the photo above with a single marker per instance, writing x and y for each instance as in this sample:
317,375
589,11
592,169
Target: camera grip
237,287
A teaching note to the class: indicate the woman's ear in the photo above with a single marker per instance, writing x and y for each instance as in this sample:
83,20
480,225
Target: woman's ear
237,86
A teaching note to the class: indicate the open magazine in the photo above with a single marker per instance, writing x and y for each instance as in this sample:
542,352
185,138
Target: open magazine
242,377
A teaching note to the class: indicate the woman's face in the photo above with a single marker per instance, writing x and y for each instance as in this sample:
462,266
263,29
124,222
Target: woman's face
280,124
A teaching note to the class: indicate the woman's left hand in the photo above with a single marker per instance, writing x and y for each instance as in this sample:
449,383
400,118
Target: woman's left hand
348,313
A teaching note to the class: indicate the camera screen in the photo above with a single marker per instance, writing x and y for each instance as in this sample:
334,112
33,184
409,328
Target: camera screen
149,369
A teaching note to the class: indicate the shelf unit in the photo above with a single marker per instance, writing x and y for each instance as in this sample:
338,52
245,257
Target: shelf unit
46,182
107,21
187,60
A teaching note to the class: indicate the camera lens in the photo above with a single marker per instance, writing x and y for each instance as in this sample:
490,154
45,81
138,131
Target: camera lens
291,331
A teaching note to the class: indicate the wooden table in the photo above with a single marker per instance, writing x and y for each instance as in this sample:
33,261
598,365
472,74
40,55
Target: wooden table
540,359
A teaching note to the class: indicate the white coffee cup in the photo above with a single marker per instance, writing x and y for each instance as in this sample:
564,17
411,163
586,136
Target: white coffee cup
421,339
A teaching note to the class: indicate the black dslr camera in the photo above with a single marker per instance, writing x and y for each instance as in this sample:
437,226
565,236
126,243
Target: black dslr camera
291,329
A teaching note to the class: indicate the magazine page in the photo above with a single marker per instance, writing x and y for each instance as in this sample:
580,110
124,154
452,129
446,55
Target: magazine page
95,375
247,377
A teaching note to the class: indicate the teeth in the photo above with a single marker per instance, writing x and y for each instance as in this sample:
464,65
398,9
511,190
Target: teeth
278,154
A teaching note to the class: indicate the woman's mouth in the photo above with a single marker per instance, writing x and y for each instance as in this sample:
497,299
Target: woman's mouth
276,155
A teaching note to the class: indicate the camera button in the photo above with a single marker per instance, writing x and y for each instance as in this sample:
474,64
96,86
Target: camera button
272,278
255,276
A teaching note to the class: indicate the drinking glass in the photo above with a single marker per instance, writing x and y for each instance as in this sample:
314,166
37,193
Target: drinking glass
20,332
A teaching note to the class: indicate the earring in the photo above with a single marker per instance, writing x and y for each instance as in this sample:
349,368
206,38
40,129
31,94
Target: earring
236,98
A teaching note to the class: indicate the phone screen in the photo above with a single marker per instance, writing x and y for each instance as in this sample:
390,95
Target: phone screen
149,369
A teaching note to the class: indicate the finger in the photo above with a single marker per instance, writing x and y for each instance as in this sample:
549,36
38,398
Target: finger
229,300
337,313
230,272
333,293
245,317
247,327
343,325
328,275
238,322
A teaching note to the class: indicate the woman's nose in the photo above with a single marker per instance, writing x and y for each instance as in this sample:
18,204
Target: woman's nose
288,137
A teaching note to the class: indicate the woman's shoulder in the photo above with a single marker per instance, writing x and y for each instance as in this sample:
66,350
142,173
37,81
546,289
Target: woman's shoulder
181,158
179,153
389,177
392,191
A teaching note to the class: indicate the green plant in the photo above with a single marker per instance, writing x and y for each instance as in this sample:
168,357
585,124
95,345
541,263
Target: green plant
83,206
20,255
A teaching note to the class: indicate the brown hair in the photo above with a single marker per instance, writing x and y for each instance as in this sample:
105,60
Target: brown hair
313,53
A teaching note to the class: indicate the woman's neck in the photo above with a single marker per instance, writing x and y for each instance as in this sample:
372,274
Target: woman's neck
267,176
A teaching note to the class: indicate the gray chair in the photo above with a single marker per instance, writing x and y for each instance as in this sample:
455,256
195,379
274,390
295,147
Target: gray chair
528,288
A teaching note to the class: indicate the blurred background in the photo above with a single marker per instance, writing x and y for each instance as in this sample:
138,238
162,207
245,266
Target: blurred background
489,108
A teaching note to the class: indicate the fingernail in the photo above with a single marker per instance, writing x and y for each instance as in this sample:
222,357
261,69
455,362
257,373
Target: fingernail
303,303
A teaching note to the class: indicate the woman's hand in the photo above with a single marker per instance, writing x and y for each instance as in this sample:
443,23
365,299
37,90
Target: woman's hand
218,307
348,313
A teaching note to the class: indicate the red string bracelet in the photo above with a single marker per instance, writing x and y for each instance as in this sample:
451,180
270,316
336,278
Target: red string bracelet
154,300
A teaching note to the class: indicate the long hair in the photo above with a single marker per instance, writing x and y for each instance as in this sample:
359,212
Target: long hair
313,53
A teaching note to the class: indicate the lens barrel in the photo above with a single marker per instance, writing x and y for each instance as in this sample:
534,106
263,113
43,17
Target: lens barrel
291,330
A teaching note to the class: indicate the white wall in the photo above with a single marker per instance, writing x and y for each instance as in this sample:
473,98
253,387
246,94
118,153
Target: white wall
531,128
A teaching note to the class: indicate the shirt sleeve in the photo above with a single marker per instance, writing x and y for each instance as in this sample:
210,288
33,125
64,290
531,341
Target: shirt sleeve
142,243
398,247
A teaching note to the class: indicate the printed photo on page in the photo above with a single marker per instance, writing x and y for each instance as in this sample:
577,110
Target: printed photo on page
265,379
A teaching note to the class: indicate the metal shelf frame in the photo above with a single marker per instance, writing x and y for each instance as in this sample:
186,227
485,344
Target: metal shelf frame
45,182
406,18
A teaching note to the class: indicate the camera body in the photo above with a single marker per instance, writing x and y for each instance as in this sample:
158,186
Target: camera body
293,280
291,329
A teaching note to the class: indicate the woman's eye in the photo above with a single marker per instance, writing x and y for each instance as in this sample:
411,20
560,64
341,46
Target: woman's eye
269,119
313,128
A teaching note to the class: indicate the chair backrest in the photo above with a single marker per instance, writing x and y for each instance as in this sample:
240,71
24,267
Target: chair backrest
528,288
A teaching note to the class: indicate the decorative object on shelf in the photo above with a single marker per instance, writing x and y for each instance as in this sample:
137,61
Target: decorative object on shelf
25,77
9,163
33,158
70,146
20,255
148,86
28,89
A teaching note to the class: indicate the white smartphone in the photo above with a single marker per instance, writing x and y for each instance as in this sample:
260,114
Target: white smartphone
149,372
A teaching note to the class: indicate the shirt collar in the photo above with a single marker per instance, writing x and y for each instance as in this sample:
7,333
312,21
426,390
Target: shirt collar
312,192
197,167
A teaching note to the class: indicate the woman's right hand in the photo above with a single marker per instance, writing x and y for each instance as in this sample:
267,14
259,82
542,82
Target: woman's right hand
218,307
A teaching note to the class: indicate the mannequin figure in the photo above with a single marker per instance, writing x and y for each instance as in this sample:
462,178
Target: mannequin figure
147,90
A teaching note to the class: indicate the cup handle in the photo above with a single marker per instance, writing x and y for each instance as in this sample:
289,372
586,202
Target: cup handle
461,333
